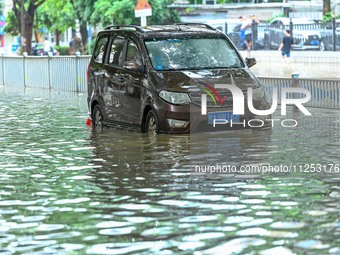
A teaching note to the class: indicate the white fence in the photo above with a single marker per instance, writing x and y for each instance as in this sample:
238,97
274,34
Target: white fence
56,72
324,93
68,73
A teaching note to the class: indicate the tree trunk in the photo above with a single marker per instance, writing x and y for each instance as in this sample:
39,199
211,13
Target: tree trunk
28,33
57,37
28,16
84,35
326,6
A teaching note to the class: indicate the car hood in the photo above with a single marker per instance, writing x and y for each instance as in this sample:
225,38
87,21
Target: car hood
187,81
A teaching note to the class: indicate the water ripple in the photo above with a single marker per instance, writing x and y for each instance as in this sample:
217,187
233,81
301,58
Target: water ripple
66,189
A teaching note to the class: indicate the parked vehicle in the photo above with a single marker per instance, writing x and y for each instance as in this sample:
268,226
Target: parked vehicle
232,28
235,37
305,33
153,78
327,36
38,50
224,25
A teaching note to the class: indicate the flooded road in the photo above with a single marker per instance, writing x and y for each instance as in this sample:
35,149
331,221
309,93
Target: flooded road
67,190
309,64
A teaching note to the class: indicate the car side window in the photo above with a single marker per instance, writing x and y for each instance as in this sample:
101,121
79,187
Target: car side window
276,23
99,51
116,54
133,54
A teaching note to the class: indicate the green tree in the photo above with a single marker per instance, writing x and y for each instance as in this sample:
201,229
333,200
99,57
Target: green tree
161,14
56,16
122,12
12,26
83,10
24,11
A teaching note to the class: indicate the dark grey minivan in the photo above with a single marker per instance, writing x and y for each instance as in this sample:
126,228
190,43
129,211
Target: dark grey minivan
153,78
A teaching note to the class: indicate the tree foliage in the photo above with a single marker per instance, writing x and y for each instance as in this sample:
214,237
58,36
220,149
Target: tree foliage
12,26
122,13
57,16
328,17
83,10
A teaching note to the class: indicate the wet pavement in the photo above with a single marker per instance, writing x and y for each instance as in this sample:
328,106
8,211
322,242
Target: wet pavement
309,64
65,189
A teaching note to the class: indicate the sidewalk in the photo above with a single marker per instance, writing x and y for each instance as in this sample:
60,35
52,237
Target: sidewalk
308,64
297,56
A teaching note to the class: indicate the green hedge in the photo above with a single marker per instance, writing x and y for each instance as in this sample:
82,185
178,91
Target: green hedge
63,50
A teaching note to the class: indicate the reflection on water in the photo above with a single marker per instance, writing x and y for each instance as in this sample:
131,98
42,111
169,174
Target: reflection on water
67,190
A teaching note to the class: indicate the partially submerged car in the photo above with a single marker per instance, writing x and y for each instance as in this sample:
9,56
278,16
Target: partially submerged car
154,78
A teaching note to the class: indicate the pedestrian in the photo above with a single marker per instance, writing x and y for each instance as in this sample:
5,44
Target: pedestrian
286,46
242,34
46,46
246,26
254,19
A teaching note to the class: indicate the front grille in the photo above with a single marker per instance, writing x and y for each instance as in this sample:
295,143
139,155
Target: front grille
225,96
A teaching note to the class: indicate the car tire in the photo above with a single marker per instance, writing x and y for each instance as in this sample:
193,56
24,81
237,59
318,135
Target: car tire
151,123
97,118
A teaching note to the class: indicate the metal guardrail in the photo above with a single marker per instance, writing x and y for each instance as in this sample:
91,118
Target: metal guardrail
55,72
324,93
266,36
68,73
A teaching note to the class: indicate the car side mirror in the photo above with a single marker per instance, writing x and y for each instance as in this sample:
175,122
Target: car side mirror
250,62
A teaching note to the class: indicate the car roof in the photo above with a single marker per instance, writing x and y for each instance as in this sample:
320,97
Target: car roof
155,30
286,21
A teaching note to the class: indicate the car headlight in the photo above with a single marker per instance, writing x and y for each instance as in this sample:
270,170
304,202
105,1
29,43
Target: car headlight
175,97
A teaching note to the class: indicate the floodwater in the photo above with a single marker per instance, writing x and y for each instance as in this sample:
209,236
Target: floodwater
65,189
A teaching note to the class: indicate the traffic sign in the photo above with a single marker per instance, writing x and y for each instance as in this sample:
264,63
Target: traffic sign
143,9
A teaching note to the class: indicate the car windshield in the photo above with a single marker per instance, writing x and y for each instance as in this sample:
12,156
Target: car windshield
192,53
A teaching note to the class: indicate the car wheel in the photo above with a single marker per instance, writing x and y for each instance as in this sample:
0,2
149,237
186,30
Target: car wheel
97,118
151,123
322,46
